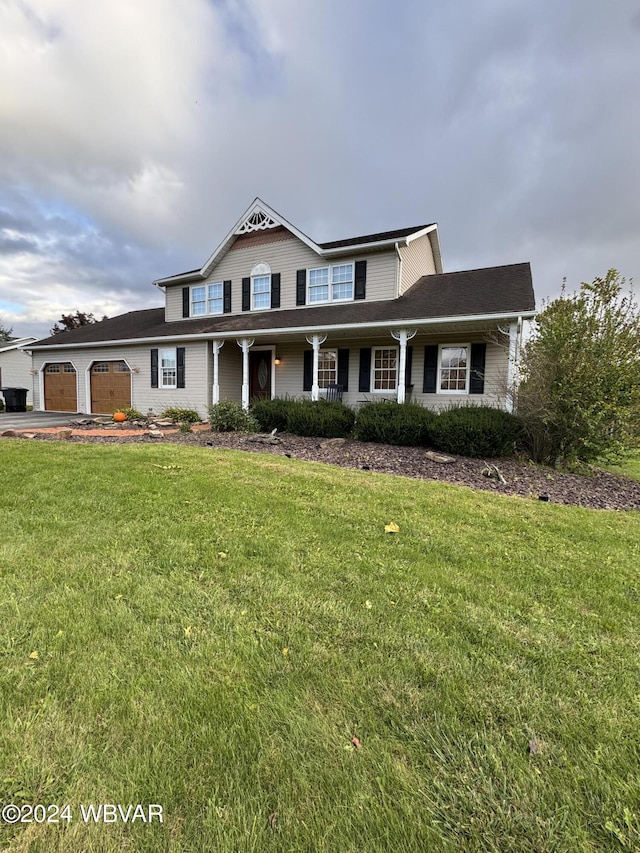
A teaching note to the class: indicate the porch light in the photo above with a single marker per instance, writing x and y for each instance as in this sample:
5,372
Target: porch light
277,360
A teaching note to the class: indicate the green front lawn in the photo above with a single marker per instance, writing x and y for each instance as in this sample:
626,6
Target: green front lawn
208,631
629,468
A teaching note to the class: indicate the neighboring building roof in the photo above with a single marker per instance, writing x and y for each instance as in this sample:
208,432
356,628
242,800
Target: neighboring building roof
15,343
502,291
381,237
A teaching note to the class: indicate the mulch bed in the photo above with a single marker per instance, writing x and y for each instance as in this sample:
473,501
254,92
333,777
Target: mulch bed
602,490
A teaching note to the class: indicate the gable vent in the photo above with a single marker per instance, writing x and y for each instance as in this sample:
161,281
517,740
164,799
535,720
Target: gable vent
258,221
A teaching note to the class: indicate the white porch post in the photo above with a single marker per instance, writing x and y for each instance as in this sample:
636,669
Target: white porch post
315,341
245,344
215,390
402,336
512,366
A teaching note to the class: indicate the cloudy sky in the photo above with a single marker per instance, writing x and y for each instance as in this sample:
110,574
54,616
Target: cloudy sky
134,134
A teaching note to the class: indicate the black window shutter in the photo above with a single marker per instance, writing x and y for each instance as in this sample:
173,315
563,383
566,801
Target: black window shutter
154,368
364,382
407,368
478,359
180,367
301,287
307,370
246,294
226,297
185,301
430,380
275,290
361,280
343,369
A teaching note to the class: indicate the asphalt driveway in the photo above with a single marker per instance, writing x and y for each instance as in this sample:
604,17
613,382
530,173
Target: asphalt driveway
33,420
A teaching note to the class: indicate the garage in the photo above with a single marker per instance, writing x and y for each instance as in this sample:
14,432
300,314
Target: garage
110,387
60,387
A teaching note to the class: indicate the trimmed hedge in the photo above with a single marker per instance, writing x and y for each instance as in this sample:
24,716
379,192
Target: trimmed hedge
405,424
476,431
304,417
229,416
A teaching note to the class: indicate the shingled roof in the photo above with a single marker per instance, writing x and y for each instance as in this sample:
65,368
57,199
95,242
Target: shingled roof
505,290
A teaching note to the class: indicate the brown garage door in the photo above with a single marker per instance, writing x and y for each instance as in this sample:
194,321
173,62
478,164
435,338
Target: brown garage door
110,387
60,390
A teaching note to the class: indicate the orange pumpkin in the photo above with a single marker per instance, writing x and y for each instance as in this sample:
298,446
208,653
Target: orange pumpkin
119,417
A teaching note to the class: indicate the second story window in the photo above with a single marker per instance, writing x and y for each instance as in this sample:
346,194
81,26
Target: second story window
330,284
206,299
261,286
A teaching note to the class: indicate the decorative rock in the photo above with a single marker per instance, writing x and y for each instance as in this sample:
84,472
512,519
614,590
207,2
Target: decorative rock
155,433
328,443
63,434
264,439
153,427
8,433
28,435
165,422
438,457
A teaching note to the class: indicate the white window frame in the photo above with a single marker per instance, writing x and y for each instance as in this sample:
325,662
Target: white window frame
439,389
331,284
260,271
161,383
207,288
372,384
322,352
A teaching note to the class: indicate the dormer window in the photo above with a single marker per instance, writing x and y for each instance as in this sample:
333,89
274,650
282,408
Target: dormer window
330,284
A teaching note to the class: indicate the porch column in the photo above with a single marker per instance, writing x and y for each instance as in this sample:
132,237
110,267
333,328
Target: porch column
215,391
512,365
315,341
402,336
245,345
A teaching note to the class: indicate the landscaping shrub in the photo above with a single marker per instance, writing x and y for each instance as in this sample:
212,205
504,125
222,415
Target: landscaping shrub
132,414
182,416
229,416
322,419
476,431
405,424
272,414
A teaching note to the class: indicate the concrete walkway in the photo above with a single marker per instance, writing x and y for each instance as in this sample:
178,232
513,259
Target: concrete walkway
36,420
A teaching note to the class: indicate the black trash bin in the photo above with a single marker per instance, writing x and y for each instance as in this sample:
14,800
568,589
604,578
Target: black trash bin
15,399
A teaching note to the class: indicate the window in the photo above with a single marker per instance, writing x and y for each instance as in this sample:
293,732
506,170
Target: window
168,368
327,368
120,367
206,299
261,291
102,367
330,284
385,369
53,368
454,370
69,368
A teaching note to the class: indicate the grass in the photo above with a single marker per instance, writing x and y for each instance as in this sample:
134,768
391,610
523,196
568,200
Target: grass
629,468
209,630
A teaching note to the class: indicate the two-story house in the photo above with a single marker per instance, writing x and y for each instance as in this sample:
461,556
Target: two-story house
273,313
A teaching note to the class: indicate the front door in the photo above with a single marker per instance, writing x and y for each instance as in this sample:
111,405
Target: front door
259,374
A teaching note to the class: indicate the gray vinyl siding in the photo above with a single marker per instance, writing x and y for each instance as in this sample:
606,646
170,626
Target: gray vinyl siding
417,260
287,257
15,371
196,395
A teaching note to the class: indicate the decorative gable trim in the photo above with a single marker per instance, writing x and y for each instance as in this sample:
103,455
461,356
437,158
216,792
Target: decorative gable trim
257,220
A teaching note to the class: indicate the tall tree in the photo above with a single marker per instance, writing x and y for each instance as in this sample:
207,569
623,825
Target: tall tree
580,394
74,321
5,332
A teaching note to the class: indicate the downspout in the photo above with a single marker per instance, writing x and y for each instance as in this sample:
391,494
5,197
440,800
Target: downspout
399,285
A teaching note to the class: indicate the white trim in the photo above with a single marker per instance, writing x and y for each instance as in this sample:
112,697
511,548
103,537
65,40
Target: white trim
449,392
335,327
41,383
330,284
373,389
259,206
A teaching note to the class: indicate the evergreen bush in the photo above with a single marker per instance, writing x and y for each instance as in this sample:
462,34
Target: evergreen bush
229,416
405,424
476,431
272,414
321,419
